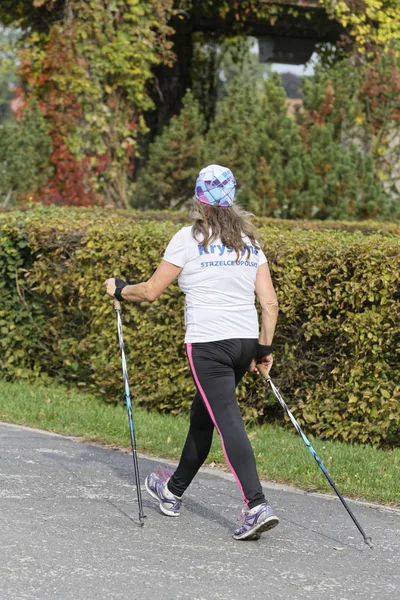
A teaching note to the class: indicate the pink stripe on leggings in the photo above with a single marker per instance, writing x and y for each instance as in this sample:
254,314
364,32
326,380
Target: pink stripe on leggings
203,395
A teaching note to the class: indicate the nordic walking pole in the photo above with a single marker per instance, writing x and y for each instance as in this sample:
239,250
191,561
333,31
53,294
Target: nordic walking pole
281,401
117,308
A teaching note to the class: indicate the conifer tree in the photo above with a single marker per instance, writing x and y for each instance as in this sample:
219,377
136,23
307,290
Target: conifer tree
306,173
232,139
281,154
175,158
263,200
283,168
342,183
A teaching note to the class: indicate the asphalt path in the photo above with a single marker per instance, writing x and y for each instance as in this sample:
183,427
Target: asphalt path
69,530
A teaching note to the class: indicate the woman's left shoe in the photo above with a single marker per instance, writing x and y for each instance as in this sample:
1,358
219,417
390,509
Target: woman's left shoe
157,488
259,519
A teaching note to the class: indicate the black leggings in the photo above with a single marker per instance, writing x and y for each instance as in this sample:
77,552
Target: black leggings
217,368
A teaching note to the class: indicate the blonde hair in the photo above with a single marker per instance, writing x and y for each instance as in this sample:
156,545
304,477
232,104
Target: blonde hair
229,224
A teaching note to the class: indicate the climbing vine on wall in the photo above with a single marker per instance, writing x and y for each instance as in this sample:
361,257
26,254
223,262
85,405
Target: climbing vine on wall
372,24
89,72
54,75
120,42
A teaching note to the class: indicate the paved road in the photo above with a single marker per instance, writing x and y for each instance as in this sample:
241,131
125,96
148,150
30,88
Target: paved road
69,530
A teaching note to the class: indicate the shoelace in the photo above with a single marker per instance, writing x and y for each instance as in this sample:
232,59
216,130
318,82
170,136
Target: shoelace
164,473
244,511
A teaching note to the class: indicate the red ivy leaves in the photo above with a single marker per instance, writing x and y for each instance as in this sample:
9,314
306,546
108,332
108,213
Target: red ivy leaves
71,182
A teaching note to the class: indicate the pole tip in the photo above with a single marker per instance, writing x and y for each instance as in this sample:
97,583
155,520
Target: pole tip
368,541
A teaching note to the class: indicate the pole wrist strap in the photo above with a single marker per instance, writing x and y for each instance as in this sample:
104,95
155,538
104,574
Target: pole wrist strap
120,284
263,350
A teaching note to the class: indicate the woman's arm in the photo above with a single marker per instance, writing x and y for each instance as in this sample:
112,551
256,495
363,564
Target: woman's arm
269,304
148,290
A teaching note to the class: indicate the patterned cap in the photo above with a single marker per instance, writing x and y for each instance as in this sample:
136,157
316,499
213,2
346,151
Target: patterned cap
216,185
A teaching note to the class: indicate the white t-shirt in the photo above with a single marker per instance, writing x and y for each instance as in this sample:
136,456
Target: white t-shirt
220,294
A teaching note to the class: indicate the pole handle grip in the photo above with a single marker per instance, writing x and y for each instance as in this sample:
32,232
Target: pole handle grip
117,304
263,371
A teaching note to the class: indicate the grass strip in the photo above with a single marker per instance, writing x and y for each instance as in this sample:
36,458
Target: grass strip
360,471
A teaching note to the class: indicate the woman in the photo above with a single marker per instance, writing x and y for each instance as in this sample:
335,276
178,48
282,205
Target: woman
220,268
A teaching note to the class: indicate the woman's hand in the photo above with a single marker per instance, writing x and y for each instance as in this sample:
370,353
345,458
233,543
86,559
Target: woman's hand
110,286
267,363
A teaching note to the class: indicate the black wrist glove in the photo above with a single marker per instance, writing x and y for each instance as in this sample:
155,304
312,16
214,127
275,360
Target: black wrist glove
120,284
263,351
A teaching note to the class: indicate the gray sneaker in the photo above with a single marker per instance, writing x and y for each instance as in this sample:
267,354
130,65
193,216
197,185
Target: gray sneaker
255,523
155,485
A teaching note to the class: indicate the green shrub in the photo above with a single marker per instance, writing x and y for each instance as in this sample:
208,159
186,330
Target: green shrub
25,150
338,335
173,164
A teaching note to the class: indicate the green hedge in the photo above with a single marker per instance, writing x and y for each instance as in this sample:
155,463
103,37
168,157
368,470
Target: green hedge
338,336
181,216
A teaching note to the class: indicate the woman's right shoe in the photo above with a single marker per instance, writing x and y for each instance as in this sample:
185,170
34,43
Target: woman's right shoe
157,488
257,520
